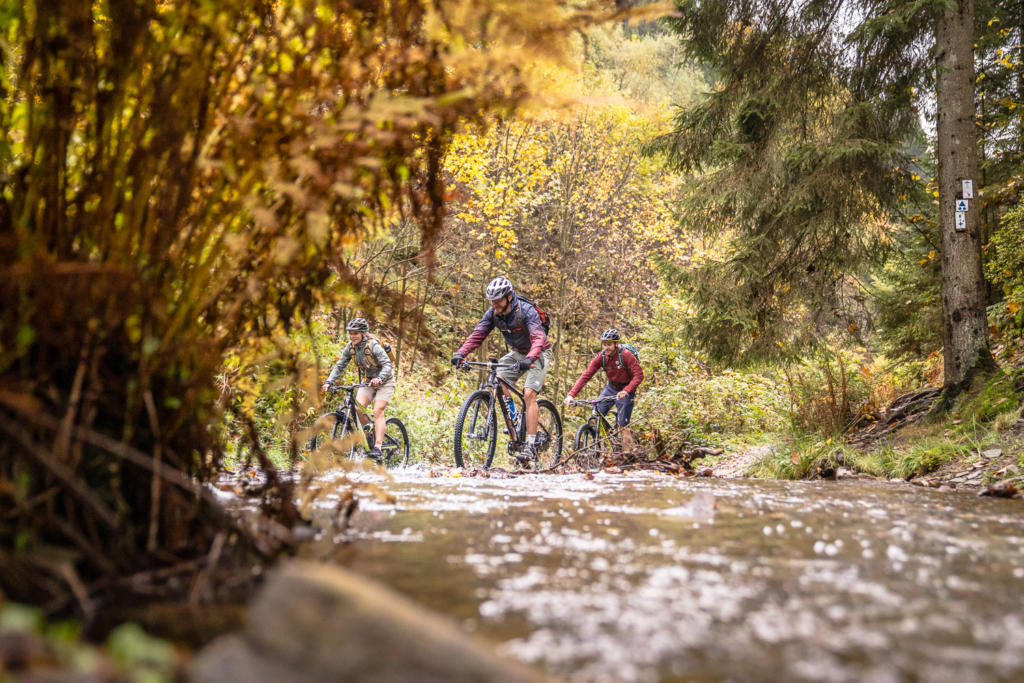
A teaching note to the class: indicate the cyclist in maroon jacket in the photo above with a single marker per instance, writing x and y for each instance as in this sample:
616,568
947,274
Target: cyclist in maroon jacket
624,375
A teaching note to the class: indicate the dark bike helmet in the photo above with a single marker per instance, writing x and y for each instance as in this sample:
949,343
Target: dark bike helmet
499,288
357,325
611,334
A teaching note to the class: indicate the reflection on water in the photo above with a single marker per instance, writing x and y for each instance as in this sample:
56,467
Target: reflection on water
648,577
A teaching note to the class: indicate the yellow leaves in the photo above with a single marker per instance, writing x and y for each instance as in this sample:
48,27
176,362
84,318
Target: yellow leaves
852,328
318,227
1013,307
286,248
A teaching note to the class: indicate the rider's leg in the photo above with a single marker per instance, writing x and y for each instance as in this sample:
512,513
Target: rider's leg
532,385
363,397
378,421
624,408
530,399
627,439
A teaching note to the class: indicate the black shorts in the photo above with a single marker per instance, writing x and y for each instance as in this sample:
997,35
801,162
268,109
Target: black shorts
623,406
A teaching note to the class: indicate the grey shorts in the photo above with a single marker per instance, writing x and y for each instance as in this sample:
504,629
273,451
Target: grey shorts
534,376
382,393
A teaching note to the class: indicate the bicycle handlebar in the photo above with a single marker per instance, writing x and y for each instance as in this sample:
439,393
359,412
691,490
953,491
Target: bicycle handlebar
591,402
337,388
480,364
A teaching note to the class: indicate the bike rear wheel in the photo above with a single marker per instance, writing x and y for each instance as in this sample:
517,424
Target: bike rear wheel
585,447
549,434
476,431
395,448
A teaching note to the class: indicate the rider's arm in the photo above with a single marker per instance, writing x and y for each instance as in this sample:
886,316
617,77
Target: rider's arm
538,338
339,367
591,370
635,371
380,356
479,333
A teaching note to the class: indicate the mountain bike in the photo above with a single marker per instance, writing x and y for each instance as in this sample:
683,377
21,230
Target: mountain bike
395,447
477,425
598,436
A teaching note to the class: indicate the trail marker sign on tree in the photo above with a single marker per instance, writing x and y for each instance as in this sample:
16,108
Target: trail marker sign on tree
967,188
961,221
962,205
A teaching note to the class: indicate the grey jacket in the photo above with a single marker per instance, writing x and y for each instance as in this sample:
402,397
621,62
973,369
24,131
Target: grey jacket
379,368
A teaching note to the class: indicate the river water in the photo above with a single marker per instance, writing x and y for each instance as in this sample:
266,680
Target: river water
648,577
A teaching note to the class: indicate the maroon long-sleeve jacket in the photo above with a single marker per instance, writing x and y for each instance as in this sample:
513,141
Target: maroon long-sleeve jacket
624,377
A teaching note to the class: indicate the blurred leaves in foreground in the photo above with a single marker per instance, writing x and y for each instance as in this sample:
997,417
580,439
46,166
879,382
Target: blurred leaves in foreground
173,177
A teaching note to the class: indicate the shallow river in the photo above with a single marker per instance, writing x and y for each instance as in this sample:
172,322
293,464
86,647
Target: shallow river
647,577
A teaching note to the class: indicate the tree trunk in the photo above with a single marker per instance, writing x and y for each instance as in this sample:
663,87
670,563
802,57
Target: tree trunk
964,326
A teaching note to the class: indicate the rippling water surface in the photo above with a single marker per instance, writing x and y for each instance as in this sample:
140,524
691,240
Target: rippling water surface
647,577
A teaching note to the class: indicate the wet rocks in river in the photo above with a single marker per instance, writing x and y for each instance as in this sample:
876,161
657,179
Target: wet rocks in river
1003,489
319,623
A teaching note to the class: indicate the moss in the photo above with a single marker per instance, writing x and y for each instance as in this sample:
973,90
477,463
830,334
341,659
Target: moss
983,404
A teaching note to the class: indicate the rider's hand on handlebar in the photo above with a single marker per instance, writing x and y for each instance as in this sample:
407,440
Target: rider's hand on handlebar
457,360
375,382
525,364
568,401
621,395
325,388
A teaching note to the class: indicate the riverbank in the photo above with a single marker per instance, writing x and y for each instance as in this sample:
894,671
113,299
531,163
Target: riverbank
938,454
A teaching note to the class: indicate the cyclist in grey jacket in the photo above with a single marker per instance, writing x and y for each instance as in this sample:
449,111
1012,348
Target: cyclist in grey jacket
374,367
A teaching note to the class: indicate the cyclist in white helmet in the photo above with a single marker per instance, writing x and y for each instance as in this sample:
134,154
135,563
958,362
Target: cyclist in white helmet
529,347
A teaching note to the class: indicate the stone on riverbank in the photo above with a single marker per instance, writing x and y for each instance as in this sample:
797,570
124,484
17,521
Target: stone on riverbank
320,623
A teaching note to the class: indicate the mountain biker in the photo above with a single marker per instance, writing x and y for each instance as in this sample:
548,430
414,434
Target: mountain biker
373,364
529,349
624,374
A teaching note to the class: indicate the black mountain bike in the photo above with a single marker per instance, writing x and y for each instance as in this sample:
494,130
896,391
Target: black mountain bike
596,437
476,427
395,447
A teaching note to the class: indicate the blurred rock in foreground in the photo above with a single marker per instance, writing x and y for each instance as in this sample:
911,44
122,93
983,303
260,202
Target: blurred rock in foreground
320,623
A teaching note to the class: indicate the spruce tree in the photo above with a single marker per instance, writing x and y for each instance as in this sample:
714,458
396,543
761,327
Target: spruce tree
800,157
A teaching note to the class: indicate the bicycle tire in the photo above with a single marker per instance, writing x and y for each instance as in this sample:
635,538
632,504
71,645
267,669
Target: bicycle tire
395,449
318,440
549,434
477,406
584,445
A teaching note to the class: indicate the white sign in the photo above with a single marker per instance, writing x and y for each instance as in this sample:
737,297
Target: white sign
961,204
961,220
967,189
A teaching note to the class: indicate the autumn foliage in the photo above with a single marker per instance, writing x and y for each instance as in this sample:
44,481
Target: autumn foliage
175,175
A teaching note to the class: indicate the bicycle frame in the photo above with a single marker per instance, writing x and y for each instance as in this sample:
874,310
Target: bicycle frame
350,408
494,383
605,429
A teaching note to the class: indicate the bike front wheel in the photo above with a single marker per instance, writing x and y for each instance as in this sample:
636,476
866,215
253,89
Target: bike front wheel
395,448
585,447
476,431
327,428
549,434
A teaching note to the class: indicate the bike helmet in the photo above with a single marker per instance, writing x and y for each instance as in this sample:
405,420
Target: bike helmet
611,334
357,325
499,288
